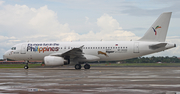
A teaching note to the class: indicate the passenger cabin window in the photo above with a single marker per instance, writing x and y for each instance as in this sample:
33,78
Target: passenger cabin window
13,48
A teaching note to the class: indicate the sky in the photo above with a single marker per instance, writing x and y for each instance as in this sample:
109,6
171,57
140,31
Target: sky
84,20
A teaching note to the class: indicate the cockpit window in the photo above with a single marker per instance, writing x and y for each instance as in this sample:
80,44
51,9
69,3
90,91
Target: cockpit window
13,48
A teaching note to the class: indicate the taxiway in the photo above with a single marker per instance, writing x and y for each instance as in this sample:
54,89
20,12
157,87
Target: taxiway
98,80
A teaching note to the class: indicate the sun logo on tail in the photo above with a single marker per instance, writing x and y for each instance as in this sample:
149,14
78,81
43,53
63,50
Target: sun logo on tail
155,29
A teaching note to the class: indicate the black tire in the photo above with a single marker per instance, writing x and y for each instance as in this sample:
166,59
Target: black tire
26,67
78,66
87,66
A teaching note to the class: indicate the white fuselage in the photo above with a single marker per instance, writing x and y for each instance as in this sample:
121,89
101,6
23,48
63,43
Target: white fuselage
105,50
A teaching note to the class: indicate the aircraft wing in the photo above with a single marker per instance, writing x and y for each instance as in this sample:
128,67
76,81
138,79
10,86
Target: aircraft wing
77,53
156,46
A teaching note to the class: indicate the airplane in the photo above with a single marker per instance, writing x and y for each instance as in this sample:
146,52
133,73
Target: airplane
77,53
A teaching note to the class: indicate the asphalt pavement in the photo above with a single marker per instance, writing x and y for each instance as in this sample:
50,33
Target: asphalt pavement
97,80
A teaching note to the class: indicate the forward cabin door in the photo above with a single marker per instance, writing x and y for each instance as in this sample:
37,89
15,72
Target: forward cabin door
136,47
23,49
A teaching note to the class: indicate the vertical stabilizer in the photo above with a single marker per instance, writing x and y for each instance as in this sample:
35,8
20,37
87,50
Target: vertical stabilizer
158,31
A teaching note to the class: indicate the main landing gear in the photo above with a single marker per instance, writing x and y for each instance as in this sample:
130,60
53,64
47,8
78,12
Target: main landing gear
26,66
78,66
87,66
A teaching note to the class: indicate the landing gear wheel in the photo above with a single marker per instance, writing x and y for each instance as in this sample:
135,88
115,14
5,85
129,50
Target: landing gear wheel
78,66
87,66
26,67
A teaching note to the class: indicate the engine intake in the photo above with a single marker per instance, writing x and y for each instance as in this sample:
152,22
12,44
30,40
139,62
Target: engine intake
54,61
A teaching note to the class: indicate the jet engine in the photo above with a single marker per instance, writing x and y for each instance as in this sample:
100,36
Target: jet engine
54,61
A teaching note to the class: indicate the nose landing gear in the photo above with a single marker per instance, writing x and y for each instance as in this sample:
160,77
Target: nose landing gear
26,66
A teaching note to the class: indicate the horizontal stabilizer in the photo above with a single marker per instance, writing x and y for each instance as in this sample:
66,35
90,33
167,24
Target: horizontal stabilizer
156,46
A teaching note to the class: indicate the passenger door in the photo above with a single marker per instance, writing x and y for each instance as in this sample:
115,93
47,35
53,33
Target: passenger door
23,49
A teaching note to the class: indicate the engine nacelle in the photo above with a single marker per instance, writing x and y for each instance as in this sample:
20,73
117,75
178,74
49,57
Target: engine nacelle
54,61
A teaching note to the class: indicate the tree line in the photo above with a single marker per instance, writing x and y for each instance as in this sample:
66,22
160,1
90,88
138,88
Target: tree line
153,59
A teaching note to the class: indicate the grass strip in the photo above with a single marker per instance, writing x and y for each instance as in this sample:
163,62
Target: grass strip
138,64
102,64
18,65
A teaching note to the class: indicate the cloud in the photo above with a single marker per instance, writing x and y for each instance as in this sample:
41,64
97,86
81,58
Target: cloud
152,8
107,23
109,31
131,7
6,43
30,24
1,2
29,21
87,19
45,21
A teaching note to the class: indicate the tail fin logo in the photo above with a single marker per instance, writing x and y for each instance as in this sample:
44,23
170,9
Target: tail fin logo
156,29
